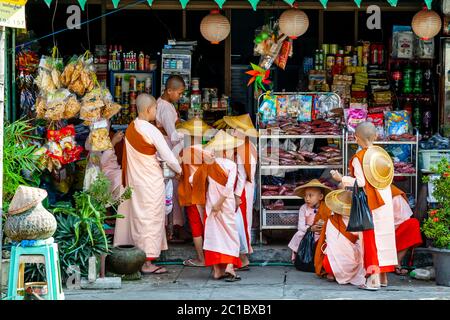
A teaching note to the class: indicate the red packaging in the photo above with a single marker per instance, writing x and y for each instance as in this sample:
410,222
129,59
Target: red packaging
283,56
381,54
378,121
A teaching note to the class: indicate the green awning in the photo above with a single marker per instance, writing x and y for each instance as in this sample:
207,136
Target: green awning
254,3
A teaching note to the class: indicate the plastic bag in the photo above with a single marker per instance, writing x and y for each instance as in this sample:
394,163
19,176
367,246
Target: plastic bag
397,122
56,104
360,214
378,121
169,195
99,136
304,259
305,109
268,109
79,75
48,79
354,116
72,107
92,170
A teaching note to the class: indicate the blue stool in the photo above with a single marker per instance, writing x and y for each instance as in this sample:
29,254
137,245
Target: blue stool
40,251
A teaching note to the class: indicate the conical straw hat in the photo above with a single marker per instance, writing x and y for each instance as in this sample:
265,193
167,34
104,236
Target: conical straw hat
194,127
242,123
314,183
378,167
339,201
223,141
26,198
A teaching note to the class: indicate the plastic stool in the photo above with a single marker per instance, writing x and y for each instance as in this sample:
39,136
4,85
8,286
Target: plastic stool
41,252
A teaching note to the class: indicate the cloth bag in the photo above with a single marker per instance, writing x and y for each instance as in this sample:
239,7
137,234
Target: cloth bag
304,259
360,215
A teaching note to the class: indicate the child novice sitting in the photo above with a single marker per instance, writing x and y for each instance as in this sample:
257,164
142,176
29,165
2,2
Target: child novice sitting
312,214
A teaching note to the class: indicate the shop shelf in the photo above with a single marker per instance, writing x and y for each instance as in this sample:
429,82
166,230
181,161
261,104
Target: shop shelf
288,136
280,197
387,142
331,166
405,174
280,219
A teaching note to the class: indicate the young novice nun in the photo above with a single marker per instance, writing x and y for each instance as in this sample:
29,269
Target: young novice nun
338,253
312,214
221,243
407,229
166,120
373,170
144,225
192,157
246,160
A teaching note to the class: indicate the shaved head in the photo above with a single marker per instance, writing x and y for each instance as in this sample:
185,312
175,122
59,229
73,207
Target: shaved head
175,82
366,131
144,101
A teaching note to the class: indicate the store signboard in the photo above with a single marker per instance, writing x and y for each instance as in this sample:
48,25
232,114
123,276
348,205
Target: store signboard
12,13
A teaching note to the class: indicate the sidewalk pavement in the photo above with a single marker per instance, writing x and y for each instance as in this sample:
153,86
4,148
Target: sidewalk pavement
270,282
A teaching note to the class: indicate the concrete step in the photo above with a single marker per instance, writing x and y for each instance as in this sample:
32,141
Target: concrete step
276,253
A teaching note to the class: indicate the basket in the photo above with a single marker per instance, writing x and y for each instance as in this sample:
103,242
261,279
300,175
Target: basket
283,218
430,158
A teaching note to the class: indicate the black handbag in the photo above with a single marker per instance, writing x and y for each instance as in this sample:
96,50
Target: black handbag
360,214
304,259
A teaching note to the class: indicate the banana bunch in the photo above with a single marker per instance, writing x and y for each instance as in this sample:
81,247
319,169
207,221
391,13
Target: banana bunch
220,124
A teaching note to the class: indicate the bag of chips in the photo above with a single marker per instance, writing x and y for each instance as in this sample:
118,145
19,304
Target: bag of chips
397,122
378,121
354,116
99,136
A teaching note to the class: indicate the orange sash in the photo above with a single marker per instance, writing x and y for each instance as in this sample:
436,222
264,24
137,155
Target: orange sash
398,192
244,151
374,198
323,213
200,181
189,156
136,140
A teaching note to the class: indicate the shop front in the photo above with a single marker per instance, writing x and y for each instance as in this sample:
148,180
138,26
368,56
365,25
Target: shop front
306,72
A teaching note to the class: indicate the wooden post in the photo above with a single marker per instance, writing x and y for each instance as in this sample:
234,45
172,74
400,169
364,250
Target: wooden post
103,27
320,27
184,31
356,26
227,62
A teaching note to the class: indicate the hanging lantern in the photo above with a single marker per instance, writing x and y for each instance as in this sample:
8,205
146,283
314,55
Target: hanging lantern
426,24
215,27
293,23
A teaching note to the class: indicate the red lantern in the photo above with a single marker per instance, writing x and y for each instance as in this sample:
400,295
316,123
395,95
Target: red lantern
426,24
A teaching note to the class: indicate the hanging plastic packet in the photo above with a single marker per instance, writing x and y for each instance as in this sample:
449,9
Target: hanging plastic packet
92,169
378,121
305,108
169,195
99,136
56,104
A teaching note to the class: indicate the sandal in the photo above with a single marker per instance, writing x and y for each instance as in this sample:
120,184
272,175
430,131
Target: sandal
224,276
244,268
191,263
365,287
375,284
401,271
155,271
232,278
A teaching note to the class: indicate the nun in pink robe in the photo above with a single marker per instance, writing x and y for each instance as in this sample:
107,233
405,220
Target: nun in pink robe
144,223
345,258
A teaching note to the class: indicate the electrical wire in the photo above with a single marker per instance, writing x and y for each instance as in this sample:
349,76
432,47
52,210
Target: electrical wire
82,23
53,24
87,27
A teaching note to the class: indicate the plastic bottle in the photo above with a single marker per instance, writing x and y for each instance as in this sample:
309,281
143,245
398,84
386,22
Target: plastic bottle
423,274
407,79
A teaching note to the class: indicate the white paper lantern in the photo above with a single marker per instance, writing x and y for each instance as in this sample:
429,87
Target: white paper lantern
426,24
293,23
215,27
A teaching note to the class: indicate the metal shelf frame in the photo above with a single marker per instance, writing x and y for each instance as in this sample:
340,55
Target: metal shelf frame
413,181
264,139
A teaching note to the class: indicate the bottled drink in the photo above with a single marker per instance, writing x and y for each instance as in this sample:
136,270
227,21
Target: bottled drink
427,81
397,77
417,88
408,106
427,120
417,117
407,79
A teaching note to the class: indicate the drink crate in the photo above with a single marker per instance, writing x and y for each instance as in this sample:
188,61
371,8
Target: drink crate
275,218
430,158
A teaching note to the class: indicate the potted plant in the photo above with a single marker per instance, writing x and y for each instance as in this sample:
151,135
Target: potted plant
437,226
80,233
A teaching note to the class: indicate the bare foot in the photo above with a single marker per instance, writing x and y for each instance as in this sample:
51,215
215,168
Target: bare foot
330,278
383,279
151,268
193,263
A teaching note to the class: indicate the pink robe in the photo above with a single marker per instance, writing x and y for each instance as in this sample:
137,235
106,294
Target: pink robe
402,210
241,184
345,257
144,223
112,170
383,219
221,234
306,217
167,117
